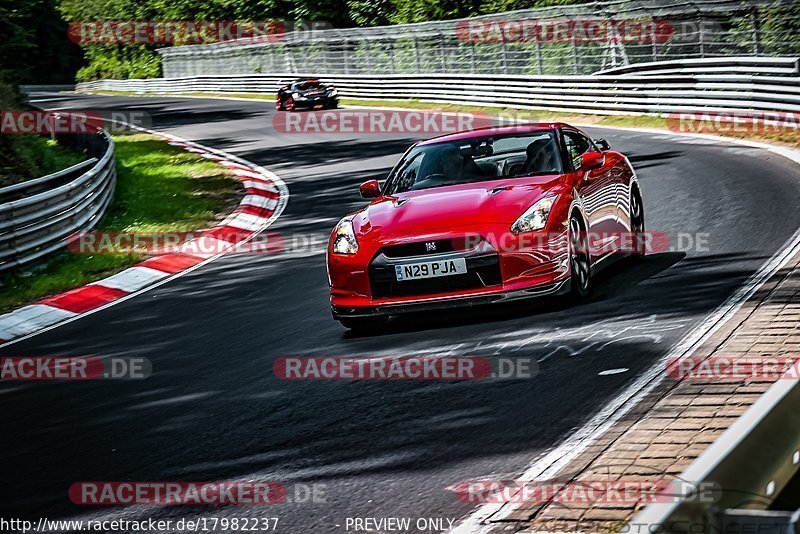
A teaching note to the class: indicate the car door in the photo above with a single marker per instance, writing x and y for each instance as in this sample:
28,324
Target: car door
598,191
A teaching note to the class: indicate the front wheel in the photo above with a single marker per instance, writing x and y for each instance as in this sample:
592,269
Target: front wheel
637,225
579,261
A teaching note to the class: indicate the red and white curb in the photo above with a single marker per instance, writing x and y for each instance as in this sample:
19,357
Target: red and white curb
265,198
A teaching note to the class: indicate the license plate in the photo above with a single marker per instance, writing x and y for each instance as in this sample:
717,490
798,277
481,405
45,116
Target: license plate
430,269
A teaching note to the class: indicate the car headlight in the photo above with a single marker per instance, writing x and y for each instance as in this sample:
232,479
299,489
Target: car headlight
333,92
344,240
535,217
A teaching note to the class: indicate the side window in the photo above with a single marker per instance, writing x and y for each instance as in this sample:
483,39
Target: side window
577,144
406,174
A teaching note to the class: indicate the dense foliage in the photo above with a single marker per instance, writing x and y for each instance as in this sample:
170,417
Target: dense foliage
35,48
126,61
779,30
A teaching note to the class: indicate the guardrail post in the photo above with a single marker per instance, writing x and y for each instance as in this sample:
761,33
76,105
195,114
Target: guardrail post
756,32
443,53
416,55
575,56
539,60
701,38
287,59
472,60
345,51
654,47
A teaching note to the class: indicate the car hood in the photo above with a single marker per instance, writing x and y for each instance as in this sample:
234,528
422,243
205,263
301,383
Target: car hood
456,207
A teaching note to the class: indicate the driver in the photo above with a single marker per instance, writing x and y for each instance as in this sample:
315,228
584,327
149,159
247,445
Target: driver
447,163
541,157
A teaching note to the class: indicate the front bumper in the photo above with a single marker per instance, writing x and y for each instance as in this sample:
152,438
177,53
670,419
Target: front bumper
442,303
310,103
361,288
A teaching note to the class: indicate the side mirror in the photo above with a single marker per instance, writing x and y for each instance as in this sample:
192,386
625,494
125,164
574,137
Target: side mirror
370,189
602,144
591,160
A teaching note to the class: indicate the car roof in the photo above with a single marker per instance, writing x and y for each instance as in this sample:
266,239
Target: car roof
496,130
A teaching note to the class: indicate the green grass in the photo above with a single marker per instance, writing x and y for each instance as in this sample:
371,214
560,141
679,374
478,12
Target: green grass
642,121
32,156
160,188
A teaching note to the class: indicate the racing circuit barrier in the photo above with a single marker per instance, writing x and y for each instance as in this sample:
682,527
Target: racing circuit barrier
596,36
750,463
38,216
742,84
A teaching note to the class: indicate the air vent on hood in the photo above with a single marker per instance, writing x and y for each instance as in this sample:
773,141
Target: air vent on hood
498,189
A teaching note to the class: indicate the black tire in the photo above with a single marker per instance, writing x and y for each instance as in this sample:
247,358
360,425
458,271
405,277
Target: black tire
637,225
579,260
363,324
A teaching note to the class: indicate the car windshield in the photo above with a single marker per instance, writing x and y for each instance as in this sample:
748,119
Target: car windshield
475,160
309,85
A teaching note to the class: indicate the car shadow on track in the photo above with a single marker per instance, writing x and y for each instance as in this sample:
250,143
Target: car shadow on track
643,161
325,150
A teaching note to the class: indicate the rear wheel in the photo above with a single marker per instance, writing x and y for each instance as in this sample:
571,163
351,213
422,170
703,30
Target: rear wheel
637,225
579,262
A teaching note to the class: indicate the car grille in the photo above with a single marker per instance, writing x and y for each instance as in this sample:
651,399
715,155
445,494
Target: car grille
407,250
482,271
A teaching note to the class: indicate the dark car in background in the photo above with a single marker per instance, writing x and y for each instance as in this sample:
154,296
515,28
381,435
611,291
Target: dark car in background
306,94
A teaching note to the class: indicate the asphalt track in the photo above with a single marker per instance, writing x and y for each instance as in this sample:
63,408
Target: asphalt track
213,411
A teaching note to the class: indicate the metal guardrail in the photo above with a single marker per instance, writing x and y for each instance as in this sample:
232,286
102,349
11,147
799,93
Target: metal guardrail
26,89
749,465
763,89
38,216
764,66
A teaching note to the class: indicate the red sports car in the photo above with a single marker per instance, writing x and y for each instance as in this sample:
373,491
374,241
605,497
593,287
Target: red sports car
484,216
